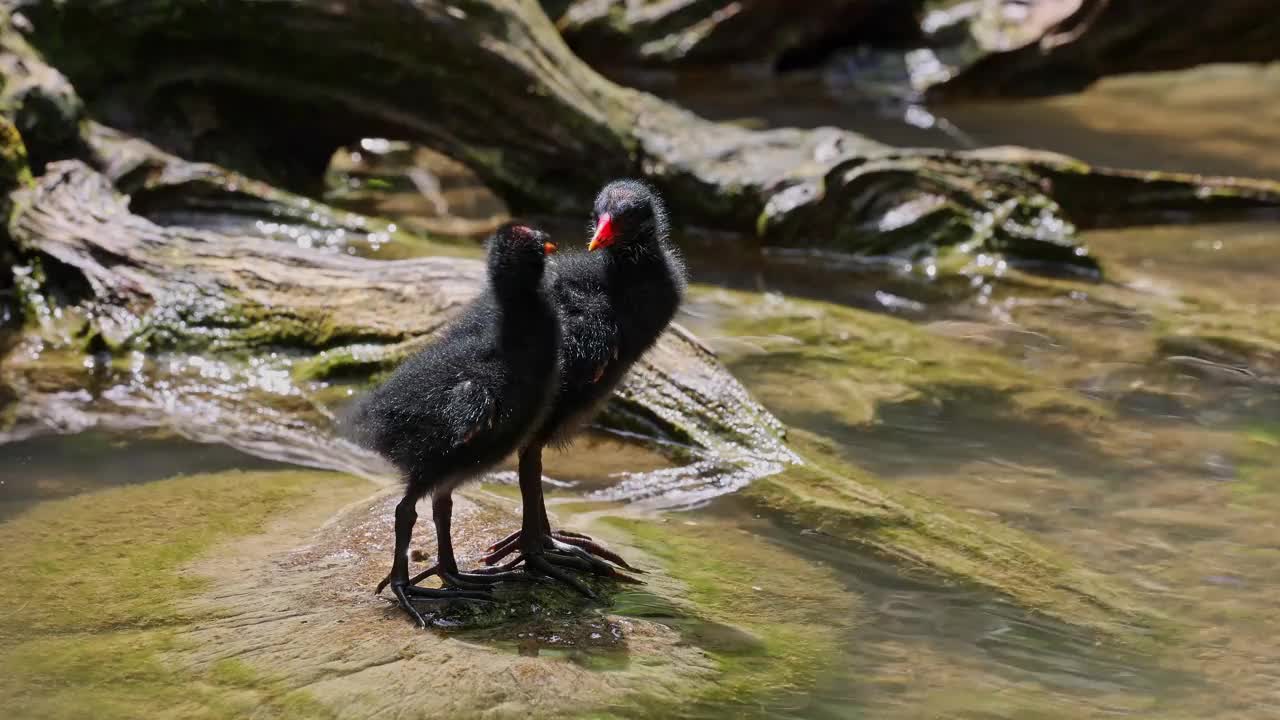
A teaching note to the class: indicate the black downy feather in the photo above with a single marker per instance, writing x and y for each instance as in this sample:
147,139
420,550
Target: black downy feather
614,303
472,397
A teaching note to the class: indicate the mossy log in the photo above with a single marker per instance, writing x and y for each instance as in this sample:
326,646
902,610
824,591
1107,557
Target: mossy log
269,323
493,85
1060,47
257,344
703,32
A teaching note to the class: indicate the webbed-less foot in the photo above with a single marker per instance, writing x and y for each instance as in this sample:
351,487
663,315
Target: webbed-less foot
404,592
480,579
552,556
565,539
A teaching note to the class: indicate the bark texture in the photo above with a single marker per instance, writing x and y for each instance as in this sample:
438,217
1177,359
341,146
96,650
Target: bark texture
1056,46
493,85
699,32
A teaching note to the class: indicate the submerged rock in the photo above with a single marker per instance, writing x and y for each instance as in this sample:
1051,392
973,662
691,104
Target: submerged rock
298,606
847,374
232,339
216,594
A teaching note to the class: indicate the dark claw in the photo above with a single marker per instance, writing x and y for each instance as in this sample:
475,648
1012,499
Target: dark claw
542,564
405,591
511,543
500,553
498,569
402,597
510,538
448,594
455,580
582,541
623,577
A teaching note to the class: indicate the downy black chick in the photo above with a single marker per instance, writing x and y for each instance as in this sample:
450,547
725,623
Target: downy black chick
465,402
615,301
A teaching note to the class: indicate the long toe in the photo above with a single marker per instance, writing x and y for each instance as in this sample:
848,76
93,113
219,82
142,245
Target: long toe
597,566
503,551
456,580
489,578
542,565
557,540
508,539
580,560
449,594
587,544
402,598
499,569
433,570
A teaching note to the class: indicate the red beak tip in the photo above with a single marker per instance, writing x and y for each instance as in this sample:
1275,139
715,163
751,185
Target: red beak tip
604,234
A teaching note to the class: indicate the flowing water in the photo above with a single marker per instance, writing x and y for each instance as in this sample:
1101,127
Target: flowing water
1171,488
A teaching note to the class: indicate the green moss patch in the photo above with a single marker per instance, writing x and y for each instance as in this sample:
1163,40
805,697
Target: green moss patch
821,355
919,536
771,620
839,372
93,589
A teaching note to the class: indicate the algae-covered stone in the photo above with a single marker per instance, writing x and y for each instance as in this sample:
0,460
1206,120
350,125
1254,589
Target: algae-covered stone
212,595
15,171
110,618
299,607
839,371
224,321
832,497
709,625
805,357
36,98
772,621
95,589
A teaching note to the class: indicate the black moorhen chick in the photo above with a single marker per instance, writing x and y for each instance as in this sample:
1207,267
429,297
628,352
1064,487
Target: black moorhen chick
465,402
614,302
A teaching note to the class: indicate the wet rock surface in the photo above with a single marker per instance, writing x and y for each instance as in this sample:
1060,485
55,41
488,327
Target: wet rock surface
231,339
1056,46
786,187
298,606
611,32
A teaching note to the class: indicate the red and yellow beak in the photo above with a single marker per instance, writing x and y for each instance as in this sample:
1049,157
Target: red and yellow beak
548,248
605,234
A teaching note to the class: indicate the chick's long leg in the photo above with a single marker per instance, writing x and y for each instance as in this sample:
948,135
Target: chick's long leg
541,552
571,543
406,516
447,563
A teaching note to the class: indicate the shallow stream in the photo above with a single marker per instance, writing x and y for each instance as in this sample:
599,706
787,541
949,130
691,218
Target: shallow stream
1166,483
